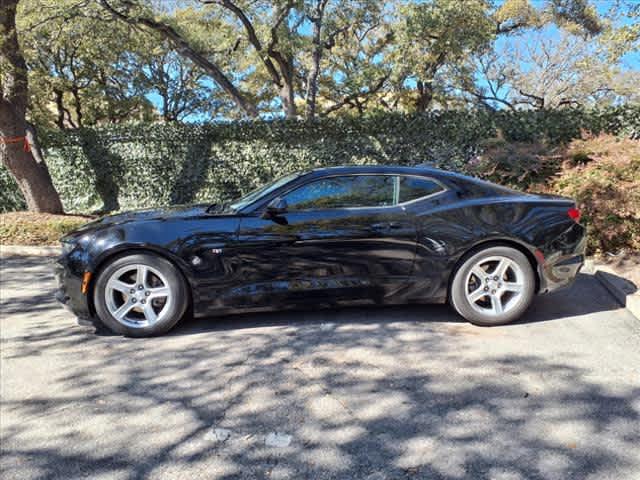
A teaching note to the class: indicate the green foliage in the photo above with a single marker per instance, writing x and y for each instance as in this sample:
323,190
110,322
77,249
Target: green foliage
84,67
10,197
141,165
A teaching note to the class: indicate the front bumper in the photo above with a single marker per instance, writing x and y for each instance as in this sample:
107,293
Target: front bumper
69,284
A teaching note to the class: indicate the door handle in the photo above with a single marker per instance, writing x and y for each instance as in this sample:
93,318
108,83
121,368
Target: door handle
386,225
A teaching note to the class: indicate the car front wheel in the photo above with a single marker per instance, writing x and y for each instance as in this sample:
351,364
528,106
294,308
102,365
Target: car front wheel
493,286
140,295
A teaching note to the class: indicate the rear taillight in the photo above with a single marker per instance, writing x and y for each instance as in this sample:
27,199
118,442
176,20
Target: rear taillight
574,214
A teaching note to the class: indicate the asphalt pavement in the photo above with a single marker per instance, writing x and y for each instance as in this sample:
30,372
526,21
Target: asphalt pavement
386,393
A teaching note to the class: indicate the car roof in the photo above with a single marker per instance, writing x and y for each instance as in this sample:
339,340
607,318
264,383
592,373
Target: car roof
380,169
444,176
450,180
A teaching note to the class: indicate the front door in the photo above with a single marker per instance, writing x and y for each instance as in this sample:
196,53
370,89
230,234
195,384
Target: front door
343,239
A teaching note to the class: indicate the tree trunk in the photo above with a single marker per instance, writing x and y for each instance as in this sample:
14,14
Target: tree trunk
316,57
30,173
284,78
59,108
287,92
425,95
75,91
425,86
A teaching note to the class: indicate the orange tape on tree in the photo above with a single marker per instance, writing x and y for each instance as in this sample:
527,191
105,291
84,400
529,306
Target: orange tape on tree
11,140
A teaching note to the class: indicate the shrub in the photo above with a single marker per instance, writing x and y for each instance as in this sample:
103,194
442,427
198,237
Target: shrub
140,165
517,164
606,187
131,166
10,197
602,173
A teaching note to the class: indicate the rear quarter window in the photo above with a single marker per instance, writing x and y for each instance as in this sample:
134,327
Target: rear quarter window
412,188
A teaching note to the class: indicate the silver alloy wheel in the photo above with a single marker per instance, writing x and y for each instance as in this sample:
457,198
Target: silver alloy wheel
494,285
138,295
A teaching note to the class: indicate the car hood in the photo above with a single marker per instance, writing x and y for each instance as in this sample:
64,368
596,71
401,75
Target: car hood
160,213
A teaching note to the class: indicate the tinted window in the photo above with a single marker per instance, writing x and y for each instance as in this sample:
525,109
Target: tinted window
416,187
261,192
343,192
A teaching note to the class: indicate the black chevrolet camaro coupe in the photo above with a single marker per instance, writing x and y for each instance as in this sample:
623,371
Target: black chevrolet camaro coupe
329,237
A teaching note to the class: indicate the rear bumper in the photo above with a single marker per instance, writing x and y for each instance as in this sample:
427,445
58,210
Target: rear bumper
563,259
560,273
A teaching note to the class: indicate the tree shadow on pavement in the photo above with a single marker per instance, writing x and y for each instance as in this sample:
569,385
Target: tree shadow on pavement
347,394
585,297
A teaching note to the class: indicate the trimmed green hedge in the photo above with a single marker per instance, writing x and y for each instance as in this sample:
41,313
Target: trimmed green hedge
10,197
139,165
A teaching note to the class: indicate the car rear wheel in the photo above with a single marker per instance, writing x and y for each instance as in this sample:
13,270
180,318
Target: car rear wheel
493,286
140,295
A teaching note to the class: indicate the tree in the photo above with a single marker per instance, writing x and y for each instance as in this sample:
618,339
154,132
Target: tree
83,70
434,34
180,85
566,70
316,17
136,14
277,61
441,36
345,66
19,149
96,61
551,68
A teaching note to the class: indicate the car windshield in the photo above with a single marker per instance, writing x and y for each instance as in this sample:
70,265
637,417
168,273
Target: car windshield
260,192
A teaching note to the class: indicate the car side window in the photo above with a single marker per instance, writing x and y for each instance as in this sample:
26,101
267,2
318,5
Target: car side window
348,191
412,188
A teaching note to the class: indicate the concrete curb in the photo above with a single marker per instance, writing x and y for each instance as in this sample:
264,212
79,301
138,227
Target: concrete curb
11,250
622,289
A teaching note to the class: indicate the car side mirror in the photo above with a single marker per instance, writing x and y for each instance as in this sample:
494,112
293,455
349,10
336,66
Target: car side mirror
277,206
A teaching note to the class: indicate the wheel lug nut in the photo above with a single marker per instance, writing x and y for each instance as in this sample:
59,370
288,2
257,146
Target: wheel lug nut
132,291
495,279
493,292
143,301
486,289
147,293
133,300
140,287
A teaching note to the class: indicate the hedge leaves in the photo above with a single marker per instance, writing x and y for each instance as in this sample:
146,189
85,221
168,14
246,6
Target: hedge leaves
139,165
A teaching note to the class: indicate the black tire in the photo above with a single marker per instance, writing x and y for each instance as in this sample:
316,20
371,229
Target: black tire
459,287
175,310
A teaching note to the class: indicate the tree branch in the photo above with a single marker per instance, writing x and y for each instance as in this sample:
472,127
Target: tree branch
354,97
183,47
282,76
251,35
539,101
